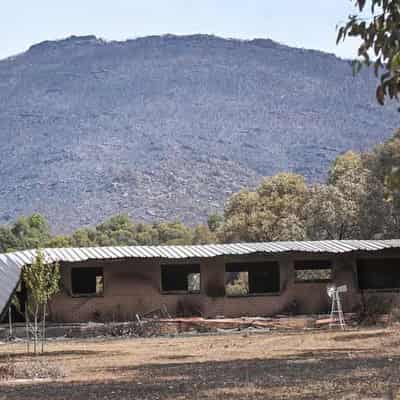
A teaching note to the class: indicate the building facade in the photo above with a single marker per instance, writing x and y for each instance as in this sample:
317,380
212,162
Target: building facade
230,286
115,284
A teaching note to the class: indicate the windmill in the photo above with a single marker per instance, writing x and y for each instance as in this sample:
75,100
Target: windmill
336,308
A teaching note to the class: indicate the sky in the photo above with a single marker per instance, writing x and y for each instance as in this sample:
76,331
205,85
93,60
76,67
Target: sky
307,23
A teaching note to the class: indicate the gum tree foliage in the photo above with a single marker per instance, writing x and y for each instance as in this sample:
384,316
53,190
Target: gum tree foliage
350,206
214,222
203,235
174,233
119,230
26,233
8,241
384,163
327,215
30,232
376,23
274,211
355,203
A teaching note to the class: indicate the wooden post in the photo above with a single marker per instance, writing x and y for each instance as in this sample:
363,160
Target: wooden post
27,326
10,321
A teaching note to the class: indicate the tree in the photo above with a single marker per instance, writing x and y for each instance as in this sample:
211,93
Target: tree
203,235
351,206
59,242
344,165
380,40
173,233
384,164
275,211
348,176
84,237
42,283
330,214
8,241
31,232
25,233
117,230
146,235
377,217
240,218
214,222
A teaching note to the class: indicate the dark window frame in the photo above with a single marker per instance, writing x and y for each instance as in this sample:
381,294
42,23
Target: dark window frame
312,265
182,270
100,272
257,268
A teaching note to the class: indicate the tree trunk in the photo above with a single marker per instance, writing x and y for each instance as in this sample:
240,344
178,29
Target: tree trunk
35,337
43,326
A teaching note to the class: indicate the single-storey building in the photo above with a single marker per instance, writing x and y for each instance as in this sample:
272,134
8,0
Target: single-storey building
231,280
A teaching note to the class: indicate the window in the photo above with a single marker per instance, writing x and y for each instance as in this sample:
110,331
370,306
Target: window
379,273
313,271
243,279
180,278
87,281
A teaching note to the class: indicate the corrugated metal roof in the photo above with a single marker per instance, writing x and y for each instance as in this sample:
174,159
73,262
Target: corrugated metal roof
11,264
9,277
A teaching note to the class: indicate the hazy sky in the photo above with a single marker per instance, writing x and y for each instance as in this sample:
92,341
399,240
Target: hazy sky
305,23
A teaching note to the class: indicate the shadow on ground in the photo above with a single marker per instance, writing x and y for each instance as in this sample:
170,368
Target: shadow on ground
306,375
348,337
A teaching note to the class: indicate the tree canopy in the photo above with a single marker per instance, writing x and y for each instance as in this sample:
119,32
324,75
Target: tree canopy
274,211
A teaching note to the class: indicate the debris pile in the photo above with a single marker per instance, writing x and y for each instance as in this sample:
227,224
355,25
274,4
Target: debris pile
200,324
160,323
30,369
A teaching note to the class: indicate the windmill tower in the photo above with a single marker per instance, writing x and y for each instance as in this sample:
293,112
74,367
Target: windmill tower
337,316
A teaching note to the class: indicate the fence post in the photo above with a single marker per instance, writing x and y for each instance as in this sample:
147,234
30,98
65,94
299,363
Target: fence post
10,321
27,326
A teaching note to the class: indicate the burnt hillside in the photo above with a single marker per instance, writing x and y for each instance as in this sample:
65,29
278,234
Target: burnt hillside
167,127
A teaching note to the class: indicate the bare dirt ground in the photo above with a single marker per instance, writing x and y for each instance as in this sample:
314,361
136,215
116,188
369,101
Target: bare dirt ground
357,364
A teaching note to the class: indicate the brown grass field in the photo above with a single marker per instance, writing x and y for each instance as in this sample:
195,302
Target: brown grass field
356,364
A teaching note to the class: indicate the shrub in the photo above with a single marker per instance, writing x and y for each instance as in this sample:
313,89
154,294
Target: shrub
373,310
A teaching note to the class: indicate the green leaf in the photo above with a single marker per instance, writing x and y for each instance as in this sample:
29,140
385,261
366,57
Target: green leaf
340,35
395,63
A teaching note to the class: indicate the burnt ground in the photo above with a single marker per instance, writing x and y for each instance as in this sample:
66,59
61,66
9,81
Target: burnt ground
363,363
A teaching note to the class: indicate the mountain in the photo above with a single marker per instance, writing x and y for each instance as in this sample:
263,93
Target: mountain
168,127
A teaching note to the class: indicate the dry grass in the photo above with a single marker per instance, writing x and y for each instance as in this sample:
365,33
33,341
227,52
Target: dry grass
307,365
